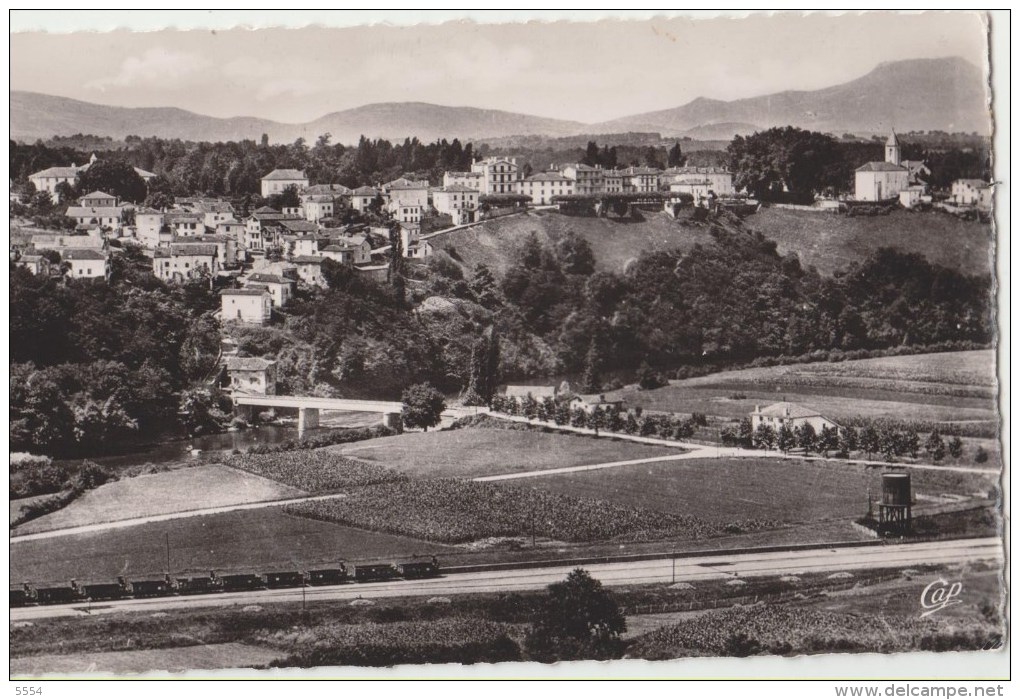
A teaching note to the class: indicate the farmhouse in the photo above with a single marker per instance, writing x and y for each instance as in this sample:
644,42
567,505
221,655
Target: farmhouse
251,375
280,179
246,305
975,193
789,414
87,264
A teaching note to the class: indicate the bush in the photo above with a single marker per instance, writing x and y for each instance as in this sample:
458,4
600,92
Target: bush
336,437
981,456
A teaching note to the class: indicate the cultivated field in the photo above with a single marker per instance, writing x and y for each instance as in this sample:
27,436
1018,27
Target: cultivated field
727,489
471,452
205,486
264,538
939,387
830,242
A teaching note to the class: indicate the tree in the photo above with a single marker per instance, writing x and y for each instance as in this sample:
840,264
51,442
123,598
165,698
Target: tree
288,199
804,162
65,192
591,154
579,619
591,381
648,378
423,406
847,441
764,437
935,446
785,439
113,177
575,255
807,437
869,441
745,433
675,157
828,439
483,286
981,456
956,447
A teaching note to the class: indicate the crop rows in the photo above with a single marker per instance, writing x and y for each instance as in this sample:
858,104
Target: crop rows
451,511
314,471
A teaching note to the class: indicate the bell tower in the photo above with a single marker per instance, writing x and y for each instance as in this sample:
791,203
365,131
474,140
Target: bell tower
892,149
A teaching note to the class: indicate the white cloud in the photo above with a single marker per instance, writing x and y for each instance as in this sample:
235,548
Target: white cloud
157,67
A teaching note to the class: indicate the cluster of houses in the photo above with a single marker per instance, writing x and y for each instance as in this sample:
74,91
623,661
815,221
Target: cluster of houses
896,178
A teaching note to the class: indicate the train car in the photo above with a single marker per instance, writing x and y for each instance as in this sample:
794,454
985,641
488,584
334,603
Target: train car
284,579
104,591
23,596
418,569
154,588
242,582
374,572
198,585
327,577
56,595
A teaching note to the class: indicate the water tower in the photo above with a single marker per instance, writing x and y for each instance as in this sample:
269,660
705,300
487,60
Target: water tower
894,509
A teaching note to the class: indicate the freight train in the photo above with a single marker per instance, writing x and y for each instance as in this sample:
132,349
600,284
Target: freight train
80,592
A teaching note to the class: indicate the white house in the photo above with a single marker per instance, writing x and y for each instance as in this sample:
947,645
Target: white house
317,207
405,212
251,375
458,201
542,187
48,179
185,261
298,245
789,414
587,180
971,192
280,288
97,217
720,180
309,269
149,226
280,179
471,180
362,198
246,305
87,264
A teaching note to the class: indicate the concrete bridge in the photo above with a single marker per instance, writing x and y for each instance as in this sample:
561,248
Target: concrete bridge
310,406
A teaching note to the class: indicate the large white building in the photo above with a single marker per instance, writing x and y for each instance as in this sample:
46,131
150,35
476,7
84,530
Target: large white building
718,180
281,178
542,187
500,175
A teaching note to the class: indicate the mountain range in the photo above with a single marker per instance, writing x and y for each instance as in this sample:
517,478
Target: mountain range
920,94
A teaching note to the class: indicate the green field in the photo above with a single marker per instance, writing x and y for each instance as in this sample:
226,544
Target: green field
205,486
941,387
728,489
261,539
831,241
471,452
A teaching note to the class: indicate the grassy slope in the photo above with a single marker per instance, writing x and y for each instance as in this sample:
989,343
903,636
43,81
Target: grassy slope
826,241
174,659
830,241
206,486
613,242
723,490
260,539
936,387
471,452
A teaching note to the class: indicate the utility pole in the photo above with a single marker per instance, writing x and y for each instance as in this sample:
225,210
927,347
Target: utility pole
167,553
674,566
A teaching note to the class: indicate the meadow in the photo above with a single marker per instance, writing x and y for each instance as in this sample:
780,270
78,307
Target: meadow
830,241
729,489
951,388
472,452
261,539
193,488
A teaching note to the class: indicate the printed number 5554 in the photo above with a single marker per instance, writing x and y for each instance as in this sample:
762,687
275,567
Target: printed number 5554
25,690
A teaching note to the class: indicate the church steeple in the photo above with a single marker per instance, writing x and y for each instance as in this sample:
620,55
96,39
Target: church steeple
892,149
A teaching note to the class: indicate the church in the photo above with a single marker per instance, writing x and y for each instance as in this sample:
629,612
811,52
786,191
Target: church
882,180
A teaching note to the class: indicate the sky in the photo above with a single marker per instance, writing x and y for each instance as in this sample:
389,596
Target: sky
587,71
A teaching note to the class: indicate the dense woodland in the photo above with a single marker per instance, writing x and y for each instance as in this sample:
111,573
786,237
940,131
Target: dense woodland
93,362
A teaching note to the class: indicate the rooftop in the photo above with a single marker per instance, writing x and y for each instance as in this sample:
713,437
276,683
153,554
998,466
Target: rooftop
878,166
249,364
202,249
243,292
286,174
265,278
83,254
71,171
